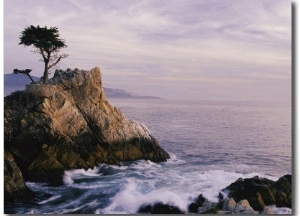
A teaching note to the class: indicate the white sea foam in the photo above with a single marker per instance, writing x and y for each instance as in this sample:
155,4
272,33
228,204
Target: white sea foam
79,173
283,211
143,165
175,189
71,175
280,210
132,197
50,199
138,183
68,178
174,159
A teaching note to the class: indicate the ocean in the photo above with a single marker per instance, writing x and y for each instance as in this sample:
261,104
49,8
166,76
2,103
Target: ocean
211,144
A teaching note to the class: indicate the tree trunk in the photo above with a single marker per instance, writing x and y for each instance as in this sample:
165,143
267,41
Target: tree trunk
30,78
45,77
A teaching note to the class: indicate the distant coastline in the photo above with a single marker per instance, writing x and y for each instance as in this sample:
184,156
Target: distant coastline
17,82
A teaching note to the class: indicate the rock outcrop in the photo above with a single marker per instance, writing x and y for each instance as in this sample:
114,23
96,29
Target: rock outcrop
262,192
69,124
193,207
248,196
159,208
14,187
242,207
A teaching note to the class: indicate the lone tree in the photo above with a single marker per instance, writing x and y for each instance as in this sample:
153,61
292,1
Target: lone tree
47,43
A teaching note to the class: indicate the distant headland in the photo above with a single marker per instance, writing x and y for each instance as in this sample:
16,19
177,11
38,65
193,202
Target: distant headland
18,82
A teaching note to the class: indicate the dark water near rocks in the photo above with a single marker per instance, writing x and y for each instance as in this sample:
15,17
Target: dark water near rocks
211,143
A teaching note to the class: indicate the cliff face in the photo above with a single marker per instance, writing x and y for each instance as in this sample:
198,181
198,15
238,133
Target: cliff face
69,124
14,187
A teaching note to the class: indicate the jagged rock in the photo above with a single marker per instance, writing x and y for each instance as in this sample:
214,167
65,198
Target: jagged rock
69,124
160,208
283,188
193,207
202,205
258,190
261,192
243,207
14,188
229,205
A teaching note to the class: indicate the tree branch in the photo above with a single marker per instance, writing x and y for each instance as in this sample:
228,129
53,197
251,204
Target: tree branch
26,72
58,60
44,57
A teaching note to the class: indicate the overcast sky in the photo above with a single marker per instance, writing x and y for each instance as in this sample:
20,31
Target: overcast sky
175,49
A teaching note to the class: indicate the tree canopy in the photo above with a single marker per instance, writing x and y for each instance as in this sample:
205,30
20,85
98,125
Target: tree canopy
47,43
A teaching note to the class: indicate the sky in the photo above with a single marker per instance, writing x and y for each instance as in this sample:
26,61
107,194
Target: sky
174,49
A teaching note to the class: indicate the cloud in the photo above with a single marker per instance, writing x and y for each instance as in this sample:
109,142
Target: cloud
209,41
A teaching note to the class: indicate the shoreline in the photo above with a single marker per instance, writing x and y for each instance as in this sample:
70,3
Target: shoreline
123,195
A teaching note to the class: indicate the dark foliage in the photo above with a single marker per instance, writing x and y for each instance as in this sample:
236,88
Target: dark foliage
48,44
26,72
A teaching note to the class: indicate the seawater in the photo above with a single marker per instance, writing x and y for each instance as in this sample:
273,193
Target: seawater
211,143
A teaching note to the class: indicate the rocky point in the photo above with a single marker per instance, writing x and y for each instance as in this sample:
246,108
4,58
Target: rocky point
68,124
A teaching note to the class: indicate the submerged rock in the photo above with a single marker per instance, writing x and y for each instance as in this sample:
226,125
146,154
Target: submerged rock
69,124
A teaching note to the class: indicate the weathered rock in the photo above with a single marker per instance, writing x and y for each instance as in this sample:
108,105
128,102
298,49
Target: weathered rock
243,207
193,207
160,208
283,188
208,207
14,188
268,210
261,192
258,190
229,205
202,205
69,124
